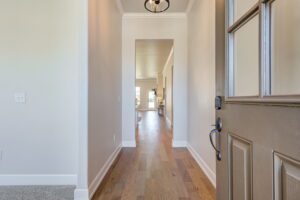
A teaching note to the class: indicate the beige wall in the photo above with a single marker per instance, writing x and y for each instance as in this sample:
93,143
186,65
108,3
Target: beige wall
105,84
201,82
146,85
168,85
39,56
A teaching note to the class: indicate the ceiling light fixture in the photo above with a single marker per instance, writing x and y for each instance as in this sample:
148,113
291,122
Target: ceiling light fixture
157,6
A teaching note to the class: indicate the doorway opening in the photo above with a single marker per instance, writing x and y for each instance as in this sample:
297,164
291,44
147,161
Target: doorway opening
154,88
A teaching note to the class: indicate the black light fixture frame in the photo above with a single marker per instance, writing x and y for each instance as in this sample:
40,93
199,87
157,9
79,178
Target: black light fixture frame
145,5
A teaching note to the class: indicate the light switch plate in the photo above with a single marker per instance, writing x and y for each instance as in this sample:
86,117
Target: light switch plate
20,97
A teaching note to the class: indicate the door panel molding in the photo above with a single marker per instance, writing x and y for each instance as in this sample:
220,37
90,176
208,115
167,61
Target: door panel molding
240,168
286,178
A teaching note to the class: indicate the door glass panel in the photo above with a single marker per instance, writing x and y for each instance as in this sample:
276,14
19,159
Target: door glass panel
241,7
246,59
285,47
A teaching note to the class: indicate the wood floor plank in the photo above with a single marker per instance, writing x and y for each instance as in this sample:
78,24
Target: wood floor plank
154,170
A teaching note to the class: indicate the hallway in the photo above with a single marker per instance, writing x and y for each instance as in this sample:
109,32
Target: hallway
154,170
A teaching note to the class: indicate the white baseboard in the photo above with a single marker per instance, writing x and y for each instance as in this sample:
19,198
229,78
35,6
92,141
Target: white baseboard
87,194
206,169
179,143
38,179
81,194
129,143
101,174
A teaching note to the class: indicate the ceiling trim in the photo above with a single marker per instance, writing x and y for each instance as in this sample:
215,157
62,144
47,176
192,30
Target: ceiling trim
160,15
190,6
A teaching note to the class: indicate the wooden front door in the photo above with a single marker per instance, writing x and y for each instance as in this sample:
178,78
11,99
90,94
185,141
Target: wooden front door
258,78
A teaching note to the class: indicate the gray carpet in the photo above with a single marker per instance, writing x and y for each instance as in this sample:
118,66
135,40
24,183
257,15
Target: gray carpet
37,192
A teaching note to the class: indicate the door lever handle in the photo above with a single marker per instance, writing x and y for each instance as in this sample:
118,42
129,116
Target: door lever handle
218,152
217,130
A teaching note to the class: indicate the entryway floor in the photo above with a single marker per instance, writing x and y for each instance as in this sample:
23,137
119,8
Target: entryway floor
154,170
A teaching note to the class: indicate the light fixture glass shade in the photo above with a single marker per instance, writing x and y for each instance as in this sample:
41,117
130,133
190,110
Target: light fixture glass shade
157,6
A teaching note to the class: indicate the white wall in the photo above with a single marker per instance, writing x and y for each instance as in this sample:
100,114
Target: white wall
168,85
142,26
146,85
201,82
39,56
105,80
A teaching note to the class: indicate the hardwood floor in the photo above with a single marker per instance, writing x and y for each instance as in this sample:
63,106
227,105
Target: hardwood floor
154,170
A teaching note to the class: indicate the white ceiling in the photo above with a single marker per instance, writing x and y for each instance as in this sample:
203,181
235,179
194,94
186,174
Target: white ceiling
151,56
137,6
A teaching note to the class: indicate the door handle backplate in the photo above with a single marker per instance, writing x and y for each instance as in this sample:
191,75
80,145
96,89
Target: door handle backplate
217,130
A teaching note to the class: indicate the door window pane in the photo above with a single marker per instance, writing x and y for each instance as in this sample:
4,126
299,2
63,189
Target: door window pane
246,59
241,7
285,47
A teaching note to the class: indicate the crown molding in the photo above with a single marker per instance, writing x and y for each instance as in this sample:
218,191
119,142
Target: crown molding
154,16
